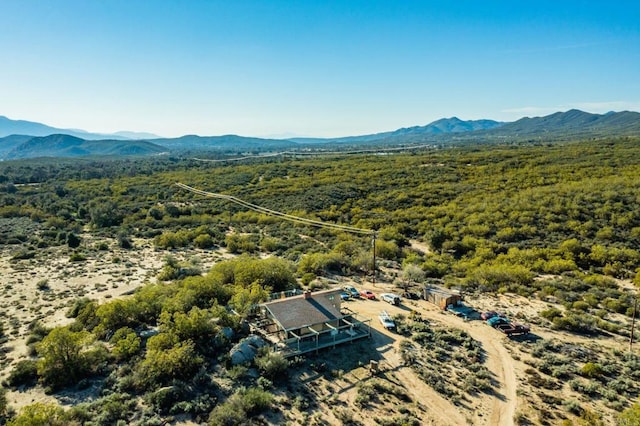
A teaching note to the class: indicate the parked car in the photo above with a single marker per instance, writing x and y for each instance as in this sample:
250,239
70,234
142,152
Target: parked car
503,325
513,329
345,296
490,314
394,299
352,291
386,321
411,295
497,320
367,294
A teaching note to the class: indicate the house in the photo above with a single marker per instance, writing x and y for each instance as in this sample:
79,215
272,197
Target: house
441,297
308,322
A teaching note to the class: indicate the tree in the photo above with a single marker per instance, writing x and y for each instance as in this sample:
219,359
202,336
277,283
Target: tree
73,240
160,366
40,414
105,213
412,274
244,298
63,361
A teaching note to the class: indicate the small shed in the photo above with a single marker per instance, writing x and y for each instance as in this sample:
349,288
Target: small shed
441,297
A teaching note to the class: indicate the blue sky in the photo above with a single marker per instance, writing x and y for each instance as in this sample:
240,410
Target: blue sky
314,68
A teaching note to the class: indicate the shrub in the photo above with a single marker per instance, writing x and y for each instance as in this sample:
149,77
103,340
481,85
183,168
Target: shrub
78,306
307,277
23,255
160,366
164,398
630,416
272,364
73,240
573,407
25,373
4,405
77,257
581,305
126,343
39,414
591,369
43,285
242,404
63,360
203,241
551,314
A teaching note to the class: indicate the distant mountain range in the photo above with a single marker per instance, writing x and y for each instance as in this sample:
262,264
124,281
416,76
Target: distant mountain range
26,139
21,127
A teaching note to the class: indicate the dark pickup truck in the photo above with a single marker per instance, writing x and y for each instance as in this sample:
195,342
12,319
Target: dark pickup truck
511,329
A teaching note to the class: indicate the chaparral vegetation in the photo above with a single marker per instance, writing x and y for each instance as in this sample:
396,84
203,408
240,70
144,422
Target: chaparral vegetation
555,226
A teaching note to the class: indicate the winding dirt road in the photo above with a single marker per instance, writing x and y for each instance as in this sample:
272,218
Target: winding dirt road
496,409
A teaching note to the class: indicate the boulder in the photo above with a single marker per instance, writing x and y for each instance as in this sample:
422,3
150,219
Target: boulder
246,349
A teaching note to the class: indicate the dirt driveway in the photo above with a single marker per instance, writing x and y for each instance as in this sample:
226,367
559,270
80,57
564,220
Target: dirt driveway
495,409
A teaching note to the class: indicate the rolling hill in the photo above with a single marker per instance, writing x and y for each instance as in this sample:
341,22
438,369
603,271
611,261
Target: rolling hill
71,146
570,124
438,127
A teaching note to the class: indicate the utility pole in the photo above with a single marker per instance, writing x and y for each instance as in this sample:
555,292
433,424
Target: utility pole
633,323
373,245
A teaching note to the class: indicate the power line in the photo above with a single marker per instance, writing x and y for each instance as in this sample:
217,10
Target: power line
285,216
290,217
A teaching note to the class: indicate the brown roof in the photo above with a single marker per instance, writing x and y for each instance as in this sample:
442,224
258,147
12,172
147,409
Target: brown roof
300,311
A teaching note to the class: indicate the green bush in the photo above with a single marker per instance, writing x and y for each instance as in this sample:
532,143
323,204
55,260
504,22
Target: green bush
591,369
160,366
551,314
273,365
25,373
4,405
241,405
64,360
77,257
126,343
203,241
40,414
630,416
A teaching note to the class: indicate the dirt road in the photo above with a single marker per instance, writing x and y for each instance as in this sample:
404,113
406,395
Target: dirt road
495,409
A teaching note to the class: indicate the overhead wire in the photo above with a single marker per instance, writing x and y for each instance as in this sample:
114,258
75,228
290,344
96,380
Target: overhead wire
270,212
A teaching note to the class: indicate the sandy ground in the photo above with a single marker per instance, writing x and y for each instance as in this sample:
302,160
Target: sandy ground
45,287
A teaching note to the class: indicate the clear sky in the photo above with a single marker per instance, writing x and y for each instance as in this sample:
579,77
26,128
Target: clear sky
313,68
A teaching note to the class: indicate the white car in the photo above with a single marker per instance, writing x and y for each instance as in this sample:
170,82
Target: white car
394,299
386,321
